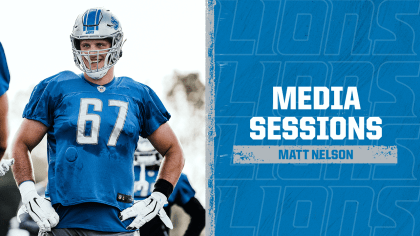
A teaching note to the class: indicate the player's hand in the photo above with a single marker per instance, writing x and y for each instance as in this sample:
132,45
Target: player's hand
146,210
5,166
39,208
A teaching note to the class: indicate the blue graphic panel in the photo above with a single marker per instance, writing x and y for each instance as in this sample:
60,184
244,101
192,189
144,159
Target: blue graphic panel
339,45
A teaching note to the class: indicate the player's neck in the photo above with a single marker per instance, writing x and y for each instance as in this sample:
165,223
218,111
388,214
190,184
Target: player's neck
104,80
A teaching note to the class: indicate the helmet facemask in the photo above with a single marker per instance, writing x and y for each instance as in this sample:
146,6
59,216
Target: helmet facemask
146,154
110,57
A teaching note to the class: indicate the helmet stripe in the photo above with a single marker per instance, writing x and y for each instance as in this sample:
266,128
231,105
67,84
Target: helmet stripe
98,14
92,18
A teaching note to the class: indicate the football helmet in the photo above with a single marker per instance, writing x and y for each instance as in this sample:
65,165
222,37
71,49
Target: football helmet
146,154
97,23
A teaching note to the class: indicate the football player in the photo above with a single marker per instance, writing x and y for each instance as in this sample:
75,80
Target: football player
146,167
93,121
4,107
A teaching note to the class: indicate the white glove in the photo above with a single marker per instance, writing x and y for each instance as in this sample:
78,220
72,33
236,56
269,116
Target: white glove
39,208
146,210
5,165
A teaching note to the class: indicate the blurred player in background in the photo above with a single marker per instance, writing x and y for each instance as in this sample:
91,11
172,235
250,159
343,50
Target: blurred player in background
4,108
93,121
146,167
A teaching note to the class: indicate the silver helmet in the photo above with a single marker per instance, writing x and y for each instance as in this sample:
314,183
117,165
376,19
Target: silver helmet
146,154
97,23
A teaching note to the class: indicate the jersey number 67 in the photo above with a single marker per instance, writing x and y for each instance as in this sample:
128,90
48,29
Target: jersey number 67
96,121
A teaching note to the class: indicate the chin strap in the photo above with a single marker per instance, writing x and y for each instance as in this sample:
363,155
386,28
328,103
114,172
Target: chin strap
97,75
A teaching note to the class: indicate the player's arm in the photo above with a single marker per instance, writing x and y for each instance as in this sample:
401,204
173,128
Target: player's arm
4,128
28,136
167,144
4,108
198,217
40,209
4,134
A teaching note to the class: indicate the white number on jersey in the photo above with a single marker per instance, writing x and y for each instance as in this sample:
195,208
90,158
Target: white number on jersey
84,117
145,188
119,123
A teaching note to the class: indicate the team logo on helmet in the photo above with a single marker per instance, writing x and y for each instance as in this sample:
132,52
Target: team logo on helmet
115,22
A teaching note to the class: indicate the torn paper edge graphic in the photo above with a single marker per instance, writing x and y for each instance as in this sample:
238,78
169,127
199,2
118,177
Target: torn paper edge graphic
315,154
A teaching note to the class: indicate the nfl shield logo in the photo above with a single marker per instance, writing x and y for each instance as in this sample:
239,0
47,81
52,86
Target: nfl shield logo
101,89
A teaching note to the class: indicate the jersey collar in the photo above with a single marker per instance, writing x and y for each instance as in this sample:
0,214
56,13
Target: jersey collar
113,81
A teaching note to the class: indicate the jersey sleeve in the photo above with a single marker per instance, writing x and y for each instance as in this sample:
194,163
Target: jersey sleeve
154,113
4,72
40,105
183,191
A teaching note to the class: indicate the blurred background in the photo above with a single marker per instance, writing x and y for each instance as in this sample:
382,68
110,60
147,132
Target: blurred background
165,49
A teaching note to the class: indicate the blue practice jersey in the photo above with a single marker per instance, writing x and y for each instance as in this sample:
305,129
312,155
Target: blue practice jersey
92,134
4,72
182,194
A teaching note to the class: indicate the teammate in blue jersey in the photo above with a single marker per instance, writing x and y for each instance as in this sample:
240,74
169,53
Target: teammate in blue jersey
146,166
93,121
4,107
